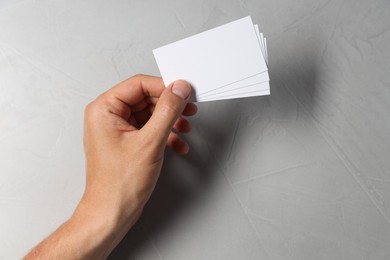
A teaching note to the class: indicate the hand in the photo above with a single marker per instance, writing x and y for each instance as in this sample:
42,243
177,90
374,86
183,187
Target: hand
126,131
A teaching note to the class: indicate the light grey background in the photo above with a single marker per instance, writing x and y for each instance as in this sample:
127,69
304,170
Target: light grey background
301,174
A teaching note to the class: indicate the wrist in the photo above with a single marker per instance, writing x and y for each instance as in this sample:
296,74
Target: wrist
102,227
120,209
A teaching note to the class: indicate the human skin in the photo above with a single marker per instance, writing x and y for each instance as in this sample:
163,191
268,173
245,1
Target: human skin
126,131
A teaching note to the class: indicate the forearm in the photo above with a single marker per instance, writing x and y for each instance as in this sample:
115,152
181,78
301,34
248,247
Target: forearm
89,234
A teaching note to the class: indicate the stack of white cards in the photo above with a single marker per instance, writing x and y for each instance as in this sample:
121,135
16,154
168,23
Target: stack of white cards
229,61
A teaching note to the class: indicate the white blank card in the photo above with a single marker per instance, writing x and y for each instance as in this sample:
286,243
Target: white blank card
225,62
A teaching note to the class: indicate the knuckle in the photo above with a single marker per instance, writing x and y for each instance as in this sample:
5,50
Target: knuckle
169,110
92,109
105,100
139,75
89,108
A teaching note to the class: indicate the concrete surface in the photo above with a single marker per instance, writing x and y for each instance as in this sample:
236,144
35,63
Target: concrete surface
301,174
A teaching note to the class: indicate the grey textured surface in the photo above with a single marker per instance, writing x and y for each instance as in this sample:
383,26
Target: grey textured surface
301,174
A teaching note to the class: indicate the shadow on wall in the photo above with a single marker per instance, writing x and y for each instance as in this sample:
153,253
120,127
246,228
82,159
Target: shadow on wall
295,72
186,180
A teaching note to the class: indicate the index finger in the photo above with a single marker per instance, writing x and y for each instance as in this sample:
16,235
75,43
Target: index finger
135,89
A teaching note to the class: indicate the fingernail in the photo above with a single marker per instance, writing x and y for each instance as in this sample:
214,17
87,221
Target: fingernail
181,88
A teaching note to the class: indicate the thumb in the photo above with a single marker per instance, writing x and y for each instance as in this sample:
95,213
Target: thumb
168,109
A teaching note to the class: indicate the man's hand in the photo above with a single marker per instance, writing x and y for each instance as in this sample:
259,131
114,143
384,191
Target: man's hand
126,131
